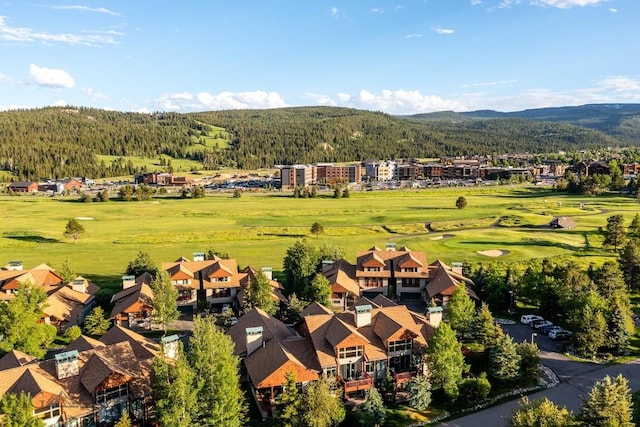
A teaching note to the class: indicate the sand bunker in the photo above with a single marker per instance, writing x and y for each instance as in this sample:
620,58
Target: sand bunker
443,236
494,252
85,218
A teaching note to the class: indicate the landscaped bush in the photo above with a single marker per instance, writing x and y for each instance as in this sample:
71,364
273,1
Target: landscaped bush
474,390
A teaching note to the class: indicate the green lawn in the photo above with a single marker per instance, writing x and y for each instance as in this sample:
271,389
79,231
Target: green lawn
258,228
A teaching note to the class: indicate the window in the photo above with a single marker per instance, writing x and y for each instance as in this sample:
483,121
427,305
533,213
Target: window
402,345
330,372
221,293
371,282
47,412
103,396
410,270
348,352
184,295
410,283
372,269
182,282
370,367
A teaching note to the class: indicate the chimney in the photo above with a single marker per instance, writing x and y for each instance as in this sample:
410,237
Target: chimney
128,281
67,364
390,246
198,256
15,266
79,285
170,345
268,272
326,265
254,339
456,267
363,315
434,316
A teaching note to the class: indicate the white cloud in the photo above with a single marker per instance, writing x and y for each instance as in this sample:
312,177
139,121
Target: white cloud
319,99
95,96
51,77
86,9
334,11
186,101
476,2
28,35
59,103
566,4
412,36
4,78
620,84
344,97
504,4
376,10
613,10
399,102
440,30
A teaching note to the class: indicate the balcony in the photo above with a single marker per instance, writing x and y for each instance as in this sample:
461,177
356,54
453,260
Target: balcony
362,383
404,377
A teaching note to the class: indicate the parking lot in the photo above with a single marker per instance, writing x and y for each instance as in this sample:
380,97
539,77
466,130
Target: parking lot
521,332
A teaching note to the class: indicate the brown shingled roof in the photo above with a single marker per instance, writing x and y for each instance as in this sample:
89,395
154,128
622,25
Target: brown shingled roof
14,359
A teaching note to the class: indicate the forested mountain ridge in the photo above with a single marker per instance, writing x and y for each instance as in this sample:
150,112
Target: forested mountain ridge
64,141
621,121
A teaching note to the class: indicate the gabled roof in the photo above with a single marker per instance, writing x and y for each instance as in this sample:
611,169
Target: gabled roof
342,276
443,281
409,260
65,303
123,300
315,308
14,359
338,331
83,343
365,301
272,328
98,369
143,347
402,258
42,390
268,366
394,323
382,301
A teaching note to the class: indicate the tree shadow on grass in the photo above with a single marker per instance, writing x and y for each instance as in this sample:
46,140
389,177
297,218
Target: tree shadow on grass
29,237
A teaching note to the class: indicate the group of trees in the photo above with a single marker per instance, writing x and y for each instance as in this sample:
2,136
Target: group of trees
200,386
302,267
595,303
609,404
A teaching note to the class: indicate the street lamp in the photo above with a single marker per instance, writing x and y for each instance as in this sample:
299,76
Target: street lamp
510,301
533,335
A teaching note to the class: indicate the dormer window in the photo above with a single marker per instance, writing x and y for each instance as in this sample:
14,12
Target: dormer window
349,352
181,282
372,269
410,270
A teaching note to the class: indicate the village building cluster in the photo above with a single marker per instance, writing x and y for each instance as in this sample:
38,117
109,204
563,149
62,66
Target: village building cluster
366,331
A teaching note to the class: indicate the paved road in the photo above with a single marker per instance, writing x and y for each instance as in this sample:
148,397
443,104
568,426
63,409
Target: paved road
576,379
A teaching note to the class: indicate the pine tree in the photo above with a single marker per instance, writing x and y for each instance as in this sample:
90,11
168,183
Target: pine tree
124,420
165,296
16,410
258,293
620,324
484,327
634,227
322,405
142,264
320,290
614,234
95,323
461,202
446,362
460,311
609,404
221,401
66,272
629,261
541,413
174,390
289,403
592,331
419,393
529,360
372,411
504,360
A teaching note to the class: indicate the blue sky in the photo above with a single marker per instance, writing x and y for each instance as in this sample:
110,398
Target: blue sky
400,57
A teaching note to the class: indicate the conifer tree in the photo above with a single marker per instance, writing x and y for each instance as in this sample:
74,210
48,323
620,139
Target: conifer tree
484,327
504,360
609,404
540,413
460,311
95,323
419,393
372,411
174,390
446,362
165,306
289,402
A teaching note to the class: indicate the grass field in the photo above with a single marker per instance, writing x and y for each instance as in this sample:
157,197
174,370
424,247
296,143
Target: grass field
258,228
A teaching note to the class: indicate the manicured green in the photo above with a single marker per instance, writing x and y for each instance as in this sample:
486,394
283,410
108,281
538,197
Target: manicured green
258,228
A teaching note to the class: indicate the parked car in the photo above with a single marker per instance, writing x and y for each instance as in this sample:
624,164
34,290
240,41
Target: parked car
546,329
536,322
528,318
542,324
560,335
